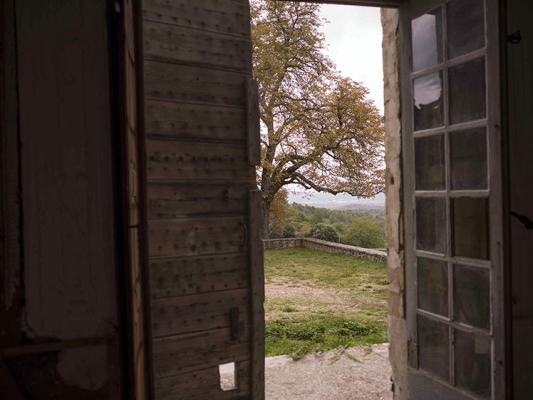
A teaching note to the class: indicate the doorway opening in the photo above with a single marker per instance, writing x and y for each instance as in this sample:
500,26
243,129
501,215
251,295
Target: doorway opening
306,307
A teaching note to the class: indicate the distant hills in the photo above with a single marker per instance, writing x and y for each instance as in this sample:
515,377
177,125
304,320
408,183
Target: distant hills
340,201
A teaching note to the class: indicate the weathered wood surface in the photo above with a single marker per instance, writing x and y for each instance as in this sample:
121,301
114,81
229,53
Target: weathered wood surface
175,44
194,122
204,384
183,314
199,350
189,84
227,17
170,200
195,275
197,60
197,161
187,381
136,281
520,78
10,216
257,277
253,122
197,236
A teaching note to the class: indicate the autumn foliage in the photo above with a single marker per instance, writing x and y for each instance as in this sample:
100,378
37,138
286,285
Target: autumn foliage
319,129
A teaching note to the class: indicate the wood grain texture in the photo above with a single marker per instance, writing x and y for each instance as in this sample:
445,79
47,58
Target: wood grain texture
181,121
189,84
221,16
520,149
520,103
170,160
257,277
198,236
253,122
199,350
174,44
195,275
203,385
171,200
140,358
184,314
10,213
197,60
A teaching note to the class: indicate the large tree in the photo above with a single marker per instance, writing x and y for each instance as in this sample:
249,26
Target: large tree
319,130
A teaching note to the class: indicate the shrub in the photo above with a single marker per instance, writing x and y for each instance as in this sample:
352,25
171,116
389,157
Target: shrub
324,232
304,230
365,232
289,232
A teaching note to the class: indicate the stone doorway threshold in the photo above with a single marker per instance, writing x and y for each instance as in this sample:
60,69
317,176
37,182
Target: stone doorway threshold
360,373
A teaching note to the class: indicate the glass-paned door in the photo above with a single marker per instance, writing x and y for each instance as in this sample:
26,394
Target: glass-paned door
452,196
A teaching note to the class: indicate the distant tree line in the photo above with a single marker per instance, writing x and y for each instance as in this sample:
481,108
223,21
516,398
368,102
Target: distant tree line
362,228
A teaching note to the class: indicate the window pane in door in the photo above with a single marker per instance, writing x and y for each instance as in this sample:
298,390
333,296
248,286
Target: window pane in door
428,104
467,91
470,227
466,27
472,363
427,40
431,224
433,347
429,163
433,286
472,296
468,151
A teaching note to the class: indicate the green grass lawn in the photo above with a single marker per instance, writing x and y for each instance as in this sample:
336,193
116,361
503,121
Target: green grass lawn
317,301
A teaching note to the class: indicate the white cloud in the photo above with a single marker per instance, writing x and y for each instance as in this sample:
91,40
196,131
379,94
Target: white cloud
354,43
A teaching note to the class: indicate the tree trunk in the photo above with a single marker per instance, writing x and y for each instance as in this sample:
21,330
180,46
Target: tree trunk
266,218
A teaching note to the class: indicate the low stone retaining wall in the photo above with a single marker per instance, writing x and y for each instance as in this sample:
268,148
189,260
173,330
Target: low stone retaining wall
328,247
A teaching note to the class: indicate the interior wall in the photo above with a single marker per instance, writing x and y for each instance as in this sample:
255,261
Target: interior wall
394,204
520,67
69,329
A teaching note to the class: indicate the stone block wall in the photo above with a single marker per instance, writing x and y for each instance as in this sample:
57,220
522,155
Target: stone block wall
286,243
328,247
394,203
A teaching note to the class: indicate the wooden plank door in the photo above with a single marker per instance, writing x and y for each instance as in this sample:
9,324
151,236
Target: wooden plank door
455,277
205,255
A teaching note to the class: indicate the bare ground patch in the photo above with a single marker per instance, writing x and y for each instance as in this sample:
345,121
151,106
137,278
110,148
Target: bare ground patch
287,298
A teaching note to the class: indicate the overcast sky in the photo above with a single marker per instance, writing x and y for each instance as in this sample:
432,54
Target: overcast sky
354,38
354,44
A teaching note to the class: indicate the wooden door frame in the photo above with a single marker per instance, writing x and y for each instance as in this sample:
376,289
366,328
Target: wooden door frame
117,55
